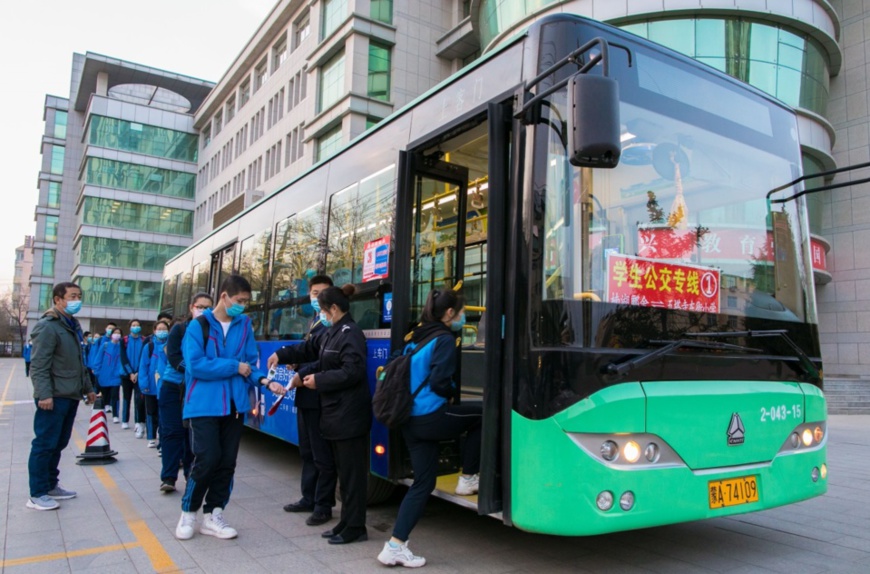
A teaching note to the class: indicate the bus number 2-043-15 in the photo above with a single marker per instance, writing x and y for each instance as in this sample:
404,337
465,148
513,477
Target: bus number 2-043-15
780,413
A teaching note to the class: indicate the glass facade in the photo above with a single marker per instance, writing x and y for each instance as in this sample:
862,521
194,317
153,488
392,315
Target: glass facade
53,194
331,81
105,252
382,11
254,264
48,263
379,72
141,138
137,216
60,119
57,153
105,292
51,222
497,16
328,144
787,65
815,201
141,178
334,12
44,295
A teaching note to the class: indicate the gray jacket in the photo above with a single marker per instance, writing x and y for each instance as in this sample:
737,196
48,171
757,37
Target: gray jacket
57,368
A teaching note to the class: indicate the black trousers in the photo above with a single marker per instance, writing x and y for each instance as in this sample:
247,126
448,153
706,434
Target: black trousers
352,461
131,398
318,464
422,435
215,444
152,418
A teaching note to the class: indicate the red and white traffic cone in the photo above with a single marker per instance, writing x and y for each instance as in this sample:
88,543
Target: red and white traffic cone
97,449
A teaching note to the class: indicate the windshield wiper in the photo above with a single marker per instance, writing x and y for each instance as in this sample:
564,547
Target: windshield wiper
803,359
669,347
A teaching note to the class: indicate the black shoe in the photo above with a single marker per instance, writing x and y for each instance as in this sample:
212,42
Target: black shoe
318,517
349,535
333,531
298,507
167,486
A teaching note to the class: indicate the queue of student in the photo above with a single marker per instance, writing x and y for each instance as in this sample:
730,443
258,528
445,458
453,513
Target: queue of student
188,385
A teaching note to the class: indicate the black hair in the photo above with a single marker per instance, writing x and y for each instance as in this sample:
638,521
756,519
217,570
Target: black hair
438,302
320,280
86,333
135,321
164,315
60,289
235,284
117,330
337,296
197,295
160,322
112,323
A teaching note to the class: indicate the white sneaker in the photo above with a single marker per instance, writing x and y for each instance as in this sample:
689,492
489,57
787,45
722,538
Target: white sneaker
108,409
140,432
44,502
214,525
152,444
400,554
184,530
125,426
116,420
468,486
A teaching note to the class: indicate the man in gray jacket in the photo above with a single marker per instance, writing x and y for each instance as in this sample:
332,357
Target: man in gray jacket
60,380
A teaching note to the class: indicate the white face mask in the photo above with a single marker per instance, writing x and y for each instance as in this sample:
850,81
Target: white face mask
196,312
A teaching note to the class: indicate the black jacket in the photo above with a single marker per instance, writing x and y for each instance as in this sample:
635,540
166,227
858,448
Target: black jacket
345,399
309,398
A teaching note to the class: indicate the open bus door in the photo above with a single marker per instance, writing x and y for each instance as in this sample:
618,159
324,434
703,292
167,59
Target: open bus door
451,228
222,265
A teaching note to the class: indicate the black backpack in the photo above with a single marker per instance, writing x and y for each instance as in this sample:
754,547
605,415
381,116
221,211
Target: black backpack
393,400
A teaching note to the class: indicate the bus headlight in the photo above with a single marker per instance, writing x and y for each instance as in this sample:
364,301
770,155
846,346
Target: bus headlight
807,437
651,452
631,451
604,500
795,440
824,471
815,474
818,434
609,450
626,501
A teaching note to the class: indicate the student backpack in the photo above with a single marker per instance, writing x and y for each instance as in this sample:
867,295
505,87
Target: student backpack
393,400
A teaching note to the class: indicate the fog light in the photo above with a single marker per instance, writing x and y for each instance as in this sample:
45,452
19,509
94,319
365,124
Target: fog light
807,437
631,451
795,440
824,471
626,501
604,500
818,434
651,452
609,450
815,474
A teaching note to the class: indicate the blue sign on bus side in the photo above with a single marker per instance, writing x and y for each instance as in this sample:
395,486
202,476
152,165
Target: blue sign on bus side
388,307
382,259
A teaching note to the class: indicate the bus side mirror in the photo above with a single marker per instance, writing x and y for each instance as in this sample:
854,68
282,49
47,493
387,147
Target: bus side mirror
593,123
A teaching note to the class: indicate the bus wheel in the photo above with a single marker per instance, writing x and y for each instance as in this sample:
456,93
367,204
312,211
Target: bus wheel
379,490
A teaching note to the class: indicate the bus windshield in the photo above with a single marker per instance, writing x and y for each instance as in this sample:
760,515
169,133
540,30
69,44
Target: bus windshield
681,225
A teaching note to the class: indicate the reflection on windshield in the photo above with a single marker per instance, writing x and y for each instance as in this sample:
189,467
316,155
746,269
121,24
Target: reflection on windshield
680,224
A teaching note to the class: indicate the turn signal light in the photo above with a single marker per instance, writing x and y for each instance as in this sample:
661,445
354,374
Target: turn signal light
380,450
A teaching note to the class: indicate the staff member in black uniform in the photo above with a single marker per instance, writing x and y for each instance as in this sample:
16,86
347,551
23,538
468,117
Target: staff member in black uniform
318,464
345,404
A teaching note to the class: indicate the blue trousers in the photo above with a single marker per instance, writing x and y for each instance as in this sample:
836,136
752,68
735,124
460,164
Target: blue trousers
52,430
174,438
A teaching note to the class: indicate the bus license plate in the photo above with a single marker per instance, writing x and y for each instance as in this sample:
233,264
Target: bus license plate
731,492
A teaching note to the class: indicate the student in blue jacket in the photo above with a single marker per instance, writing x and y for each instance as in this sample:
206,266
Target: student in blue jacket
219,373
25,354
151,366
108,369
131,353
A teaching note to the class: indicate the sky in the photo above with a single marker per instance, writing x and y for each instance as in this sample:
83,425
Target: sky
198,38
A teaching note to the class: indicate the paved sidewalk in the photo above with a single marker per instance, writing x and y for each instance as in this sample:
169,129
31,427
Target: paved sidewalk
120,522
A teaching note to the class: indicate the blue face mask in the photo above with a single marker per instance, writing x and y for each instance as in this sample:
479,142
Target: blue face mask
458,323
162,335
315,304
235,310
326,322
135,330
109,330
90,339
73,307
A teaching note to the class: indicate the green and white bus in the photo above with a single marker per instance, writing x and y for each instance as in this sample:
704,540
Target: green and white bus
642,328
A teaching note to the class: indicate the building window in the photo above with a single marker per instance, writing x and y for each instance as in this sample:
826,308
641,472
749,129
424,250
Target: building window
371,122
230,108
301,30
379,72
329,143
105,292
60,119
261,74
244,92
105,252
104,212
53,194
141,138
279,53
57,152
218,123
45,299
334,12
48,263
382,11
331,82
206,136
466,8
51,222
142,178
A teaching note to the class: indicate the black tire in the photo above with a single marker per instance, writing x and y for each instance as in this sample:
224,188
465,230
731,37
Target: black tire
379,490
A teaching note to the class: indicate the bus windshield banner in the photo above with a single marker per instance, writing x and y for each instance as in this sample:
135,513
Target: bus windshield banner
655,283
376,259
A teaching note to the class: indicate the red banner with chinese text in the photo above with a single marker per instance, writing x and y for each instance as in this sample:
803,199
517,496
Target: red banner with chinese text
651,283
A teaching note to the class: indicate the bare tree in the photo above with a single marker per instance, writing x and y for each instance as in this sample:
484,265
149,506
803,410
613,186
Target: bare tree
13,315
